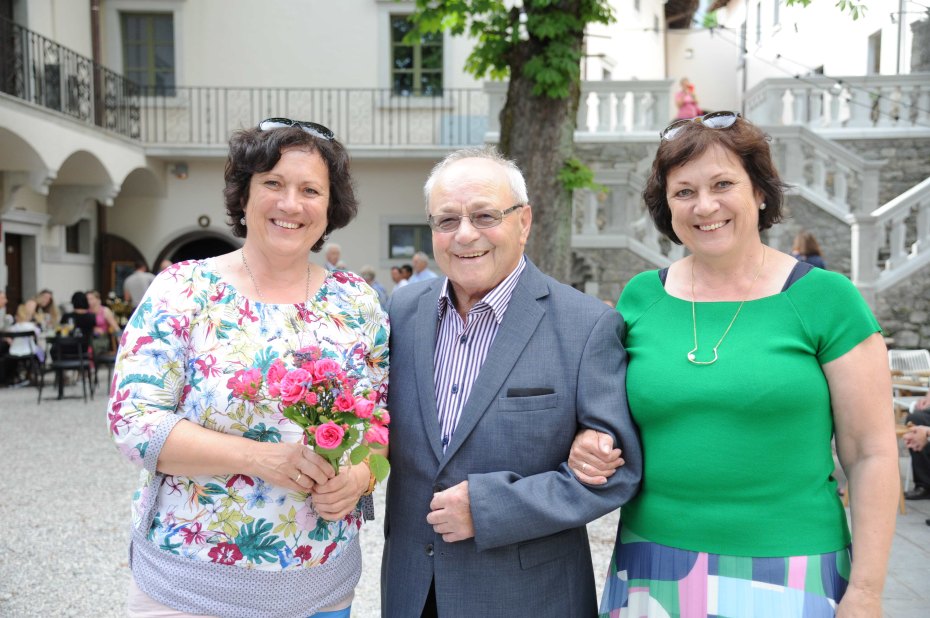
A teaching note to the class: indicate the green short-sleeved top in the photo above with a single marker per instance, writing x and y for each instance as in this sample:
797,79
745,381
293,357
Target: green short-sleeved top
737,454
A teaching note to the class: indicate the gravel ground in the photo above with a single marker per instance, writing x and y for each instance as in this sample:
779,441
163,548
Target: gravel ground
64,515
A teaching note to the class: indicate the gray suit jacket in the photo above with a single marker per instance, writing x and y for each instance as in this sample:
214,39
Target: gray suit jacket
530,553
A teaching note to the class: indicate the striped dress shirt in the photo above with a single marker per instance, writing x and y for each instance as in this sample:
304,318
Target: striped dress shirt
462,346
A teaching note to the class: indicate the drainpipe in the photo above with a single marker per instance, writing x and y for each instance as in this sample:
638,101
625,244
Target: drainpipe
95,52
901,31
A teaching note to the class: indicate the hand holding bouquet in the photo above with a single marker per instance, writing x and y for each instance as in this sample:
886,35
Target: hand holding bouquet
339,421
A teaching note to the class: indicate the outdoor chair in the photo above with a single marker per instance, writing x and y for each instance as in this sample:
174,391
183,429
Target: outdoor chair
22,352
68,354
910,374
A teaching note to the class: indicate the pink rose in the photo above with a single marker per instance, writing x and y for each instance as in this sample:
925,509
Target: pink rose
311,398
245,384
311,351
293,386
383,416
344,402
377,435
276,373
364,408
325,369
329,435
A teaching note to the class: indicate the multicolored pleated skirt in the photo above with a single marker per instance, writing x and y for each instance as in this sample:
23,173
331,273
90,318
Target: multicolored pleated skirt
648,580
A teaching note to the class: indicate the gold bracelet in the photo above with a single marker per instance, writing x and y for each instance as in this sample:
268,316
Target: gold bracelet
372,481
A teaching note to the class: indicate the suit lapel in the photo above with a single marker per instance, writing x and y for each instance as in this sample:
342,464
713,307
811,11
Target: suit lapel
520,322
424,359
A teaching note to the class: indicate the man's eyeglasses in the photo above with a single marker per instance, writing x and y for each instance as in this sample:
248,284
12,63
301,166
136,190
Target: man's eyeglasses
313,128
481,219
714,120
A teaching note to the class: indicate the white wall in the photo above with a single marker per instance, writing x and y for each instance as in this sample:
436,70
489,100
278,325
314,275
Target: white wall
821,35
630,48
710,61
66,22
280,43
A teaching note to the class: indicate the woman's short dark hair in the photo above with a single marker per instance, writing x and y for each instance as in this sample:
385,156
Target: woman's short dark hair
253,151
743,139
79,301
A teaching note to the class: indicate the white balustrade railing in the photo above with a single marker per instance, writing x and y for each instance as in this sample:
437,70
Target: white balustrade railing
823,172
819,102
899,230
605,107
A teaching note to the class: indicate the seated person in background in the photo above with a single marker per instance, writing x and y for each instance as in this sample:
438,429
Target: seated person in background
105,325
40,309
80,319
916,439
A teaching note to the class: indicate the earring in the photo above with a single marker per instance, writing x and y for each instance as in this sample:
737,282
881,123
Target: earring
242,220
762,207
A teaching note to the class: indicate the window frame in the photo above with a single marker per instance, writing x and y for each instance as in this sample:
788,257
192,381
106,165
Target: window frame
149,43
417,71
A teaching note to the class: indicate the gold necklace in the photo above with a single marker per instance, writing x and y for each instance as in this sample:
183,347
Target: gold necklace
255,283
691,354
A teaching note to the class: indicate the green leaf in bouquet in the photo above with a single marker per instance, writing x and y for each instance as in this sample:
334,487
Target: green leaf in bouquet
379,466
359,453
294,414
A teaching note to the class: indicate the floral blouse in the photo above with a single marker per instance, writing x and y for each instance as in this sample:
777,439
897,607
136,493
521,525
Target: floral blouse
191,333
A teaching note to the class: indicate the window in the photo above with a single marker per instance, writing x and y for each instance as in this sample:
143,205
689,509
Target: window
77,237
148,51
416,70
406,239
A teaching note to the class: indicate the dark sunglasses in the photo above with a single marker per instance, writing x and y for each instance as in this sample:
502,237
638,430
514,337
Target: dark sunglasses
481,219
313,128
714,120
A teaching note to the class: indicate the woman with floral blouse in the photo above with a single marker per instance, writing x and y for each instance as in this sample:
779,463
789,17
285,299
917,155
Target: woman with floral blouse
235,515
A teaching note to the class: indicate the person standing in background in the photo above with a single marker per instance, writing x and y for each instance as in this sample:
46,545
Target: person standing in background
333,255
136,284
807,249
421,271
368,274
686,101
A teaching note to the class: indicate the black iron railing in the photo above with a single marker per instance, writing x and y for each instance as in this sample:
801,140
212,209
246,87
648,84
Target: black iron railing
41,71
359,117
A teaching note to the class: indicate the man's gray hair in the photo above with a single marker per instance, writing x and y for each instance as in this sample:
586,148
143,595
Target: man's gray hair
422,256
514,175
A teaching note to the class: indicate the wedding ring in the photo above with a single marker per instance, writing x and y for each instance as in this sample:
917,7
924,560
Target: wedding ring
584,468
299,475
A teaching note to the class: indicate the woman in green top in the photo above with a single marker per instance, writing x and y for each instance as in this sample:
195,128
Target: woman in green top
743,362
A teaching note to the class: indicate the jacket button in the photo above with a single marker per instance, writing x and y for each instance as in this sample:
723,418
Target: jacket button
429,549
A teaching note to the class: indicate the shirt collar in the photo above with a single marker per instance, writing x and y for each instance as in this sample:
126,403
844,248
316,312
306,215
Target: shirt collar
497,299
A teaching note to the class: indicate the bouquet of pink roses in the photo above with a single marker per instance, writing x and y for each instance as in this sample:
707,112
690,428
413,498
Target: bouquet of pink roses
339,422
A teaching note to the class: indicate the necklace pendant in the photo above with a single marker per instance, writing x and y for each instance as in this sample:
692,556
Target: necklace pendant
692,358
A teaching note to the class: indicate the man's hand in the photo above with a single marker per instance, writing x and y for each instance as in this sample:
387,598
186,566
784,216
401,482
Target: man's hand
916,437
451,514
593,457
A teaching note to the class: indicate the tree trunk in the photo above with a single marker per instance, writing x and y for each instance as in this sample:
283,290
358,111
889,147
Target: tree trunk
538,133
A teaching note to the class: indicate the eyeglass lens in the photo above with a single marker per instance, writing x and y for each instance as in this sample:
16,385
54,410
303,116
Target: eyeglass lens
481,219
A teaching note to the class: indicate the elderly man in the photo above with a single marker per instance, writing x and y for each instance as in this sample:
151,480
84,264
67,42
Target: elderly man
421,271
333,256
494,368
916,439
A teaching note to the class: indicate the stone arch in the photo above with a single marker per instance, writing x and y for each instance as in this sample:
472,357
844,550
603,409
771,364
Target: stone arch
197,245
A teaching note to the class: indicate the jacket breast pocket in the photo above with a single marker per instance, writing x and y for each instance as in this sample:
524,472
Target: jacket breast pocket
526,404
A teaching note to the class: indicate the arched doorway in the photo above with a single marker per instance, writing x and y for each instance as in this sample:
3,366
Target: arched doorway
197,246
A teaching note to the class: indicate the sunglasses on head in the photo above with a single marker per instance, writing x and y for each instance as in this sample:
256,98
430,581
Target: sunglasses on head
313,128
714,120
